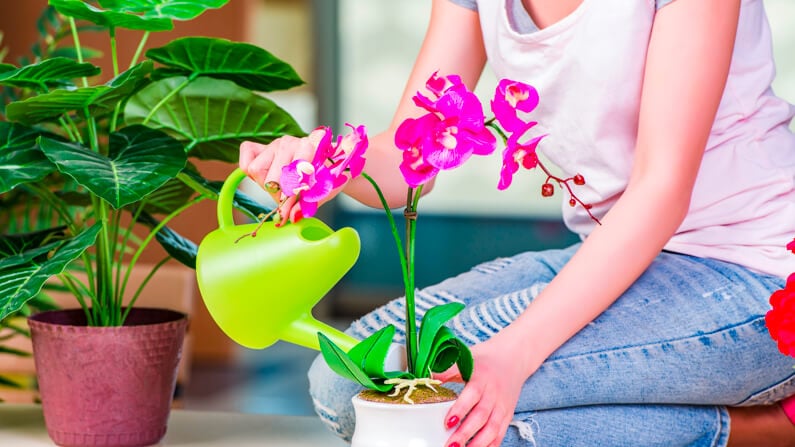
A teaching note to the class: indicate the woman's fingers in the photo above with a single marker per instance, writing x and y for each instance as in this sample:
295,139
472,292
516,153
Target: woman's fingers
451,375
256,160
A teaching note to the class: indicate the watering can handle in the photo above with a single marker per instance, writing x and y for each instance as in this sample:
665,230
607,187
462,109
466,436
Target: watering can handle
227,196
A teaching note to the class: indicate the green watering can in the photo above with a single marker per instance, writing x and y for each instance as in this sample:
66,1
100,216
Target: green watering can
261,289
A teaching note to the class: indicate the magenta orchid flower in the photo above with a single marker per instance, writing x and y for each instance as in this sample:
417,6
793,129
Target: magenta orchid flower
515,154
510,97
331,166
447,136
310,182
410,137
438,86
349,155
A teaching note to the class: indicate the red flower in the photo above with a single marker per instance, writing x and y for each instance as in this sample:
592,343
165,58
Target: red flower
780,320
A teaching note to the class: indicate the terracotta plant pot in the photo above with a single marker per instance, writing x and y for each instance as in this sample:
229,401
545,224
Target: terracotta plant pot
107,386
381,424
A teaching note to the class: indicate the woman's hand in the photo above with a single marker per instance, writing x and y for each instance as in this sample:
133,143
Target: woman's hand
263,163
486,405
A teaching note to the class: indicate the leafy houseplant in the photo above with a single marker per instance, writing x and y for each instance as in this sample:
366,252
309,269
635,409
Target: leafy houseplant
97,160
89,161
451,131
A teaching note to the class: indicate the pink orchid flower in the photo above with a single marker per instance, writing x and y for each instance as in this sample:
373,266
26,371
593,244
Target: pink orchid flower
310,182
447,136
349,155
438,86
410,137
510,97
515,154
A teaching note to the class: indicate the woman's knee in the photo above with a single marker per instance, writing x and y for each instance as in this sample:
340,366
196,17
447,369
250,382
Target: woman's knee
331,398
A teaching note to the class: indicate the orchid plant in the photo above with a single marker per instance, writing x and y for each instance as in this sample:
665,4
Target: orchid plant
452,130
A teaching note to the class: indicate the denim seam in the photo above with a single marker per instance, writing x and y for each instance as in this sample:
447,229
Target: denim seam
723,429
627,348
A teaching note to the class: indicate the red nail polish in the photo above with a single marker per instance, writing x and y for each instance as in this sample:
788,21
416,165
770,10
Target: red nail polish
452,422
455,444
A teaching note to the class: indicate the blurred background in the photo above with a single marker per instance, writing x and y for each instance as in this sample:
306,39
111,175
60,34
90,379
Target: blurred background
355,56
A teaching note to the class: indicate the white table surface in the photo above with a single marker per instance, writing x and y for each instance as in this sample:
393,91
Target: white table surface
23,426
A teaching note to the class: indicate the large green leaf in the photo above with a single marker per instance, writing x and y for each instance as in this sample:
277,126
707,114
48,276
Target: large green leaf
247,65
170,9
212,115
18,249
140,160
211,189
340,363
50,106
20,283
21,160
178,247
98,99
57,71
110,19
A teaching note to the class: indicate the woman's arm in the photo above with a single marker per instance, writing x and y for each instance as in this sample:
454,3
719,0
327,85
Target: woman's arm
453,44
686,69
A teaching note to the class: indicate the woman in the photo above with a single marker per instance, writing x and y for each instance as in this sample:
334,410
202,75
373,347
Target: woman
650,331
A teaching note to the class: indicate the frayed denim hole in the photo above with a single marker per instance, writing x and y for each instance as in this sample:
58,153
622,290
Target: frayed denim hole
527,428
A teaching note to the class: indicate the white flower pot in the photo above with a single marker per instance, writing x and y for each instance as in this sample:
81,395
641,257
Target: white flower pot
400,425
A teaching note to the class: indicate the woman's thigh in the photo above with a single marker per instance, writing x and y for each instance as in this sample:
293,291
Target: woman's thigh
689,331
621,425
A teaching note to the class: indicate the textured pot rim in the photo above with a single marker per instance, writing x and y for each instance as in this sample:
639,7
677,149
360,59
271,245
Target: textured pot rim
171,318
384,405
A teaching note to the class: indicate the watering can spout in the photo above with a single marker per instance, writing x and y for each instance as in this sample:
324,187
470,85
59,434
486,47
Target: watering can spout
261,288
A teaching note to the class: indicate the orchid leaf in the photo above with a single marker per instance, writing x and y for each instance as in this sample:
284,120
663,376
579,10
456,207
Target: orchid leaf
213,116
371,352
248,66
21,282
79,9
340,363
432,322
21,160
55,72
448,349
167,9
140,160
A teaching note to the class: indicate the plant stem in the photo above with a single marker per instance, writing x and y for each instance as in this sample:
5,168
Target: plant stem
140,289
410,215
408,273
140,48
78,48
71,283
152,233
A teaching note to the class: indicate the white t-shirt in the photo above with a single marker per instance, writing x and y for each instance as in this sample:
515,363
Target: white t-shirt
588,69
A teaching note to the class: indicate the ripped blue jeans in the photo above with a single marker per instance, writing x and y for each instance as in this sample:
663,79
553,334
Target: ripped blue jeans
657,368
